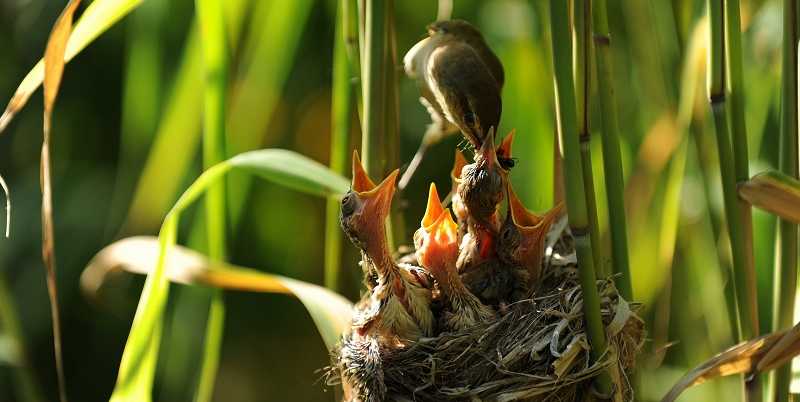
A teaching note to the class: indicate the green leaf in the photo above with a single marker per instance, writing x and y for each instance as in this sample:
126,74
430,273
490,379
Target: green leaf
287,168
99,16
330,311
774,192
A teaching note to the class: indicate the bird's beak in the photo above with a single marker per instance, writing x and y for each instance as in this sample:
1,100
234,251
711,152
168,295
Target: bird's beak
521,216
434,208
361,182
505,147
528,221
377,199
439,246
458,166
488,151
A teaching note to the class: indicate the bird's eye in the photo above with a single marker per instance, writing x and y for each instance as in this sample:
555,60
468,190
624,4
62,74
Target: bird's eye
469,119
348,204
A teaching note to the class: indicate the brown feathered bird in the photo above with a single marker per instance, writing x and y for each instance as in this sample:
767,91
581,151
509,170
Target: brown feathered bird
460,80
522,235
437,250
398,306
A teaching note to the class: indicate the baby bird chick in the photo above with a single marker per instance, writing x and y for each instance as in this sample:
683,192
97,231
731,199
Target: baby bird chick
460,79
437,250
482,183
521,239
398,308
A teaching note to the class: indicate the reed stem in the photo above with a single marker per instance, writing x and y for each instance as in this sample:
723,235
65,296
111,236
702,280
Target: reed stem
575,194
342,105
612,160
374,125
581,12
211,19
786,249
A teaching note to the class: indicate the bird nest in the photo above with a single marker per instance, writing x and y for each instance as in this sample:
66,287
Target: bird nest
535,350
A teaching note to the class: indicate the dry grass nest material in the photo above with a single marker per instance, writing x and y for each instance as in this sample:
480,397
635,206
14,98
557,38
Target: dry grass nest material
537,351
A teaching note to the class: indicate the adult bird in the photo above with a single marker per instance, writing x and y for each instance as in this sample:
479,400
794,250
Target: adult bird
397,308
460,80
437,251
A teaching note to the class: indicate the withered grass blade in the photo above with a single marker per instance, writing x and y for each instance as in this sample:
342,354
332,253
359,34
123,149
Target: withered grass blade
739,359
774,192
53,72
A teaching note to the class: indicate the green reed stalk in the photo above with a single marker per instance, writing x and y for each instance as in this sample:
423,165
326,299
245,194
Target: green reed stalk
342,105
583,78
612,160
746,307
786,251
211,18
735,88
373,125
573,173
392,115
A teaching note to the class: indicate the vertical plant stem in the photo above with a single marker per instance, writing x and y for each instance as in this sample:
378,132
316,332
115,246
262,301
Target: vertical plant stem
576,199
211,17
373,126
583,79
746,311
735,88
392,117
786,258
342,105
612,160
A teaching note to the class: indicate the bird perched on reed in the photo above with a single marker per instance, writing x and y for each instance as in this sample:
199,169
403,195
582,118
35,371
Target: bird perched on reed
437,250
398,305
460,80
521,239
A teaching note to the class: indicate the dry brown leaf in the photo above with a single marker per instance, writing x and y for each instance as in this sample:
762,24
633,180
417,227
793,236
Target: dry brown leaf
738,359
784,351
774,192
53,71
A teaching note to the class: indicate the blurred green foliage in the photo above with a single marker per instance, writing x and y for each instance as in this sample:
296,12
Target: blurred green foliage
125,144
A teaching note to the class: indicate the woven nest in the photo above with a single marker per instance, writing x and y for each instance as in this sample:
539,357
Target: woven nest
537,350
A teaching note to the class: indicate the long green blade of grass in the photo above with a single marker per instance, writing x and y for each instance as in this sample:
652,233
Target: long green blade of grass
573,175
787,247
137,368
211,18
342,115
612,159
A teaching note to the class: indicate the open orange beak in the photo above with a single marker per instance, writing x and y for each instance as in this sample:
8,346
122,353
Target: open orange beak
532,226
434,208
377,199
504,151
438,243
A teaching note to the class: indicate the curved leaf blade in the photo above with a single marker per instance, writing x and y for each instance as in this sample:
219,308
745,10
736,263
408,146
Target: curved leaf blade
330,311
292,170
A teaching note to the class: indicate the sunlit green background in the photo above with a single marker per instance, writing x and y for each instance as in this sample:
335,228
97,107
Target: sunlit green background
126,142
